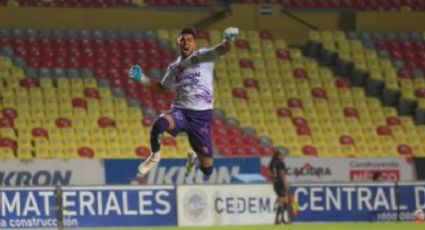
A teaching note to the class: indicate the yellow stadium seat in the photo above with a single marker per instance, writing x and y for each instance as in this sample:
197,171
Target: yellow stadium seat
5,62
314,35
4,73
24,153
90,82
6,153
17,73
163,34
280,44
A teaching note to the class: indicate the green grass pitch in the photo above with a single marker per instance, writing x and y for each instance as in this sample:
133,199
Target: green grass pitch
318,226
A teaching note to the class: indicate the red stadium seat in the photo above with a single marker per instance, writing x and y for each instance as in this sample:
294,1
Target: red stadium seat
295,103
299,122
404,150
319,93
142,151
343,83
91,93
303,131
79,103
239,93
39,132
9,113
86,152
63,122
393,121
309,151
283,54
383,130
346,140
265,34
246,63
350,112
8,143
105,122
284,112
250,83
300,73
242,44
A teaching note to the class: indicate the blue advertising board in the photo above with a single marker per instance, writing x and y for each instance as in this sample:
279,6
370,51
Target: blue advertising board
88,207
358,202
173,171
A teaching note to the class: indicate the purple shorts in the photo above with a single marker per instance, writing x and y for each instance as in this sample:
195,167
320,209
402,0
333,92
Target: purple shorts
197,125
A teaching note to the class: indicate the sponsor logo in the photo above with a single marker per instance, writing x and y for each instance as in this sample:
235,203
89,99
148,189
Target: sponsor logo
309,170
85,207
367,175
40,177
178,175
189,76
195,205
371,164
240,205
173,171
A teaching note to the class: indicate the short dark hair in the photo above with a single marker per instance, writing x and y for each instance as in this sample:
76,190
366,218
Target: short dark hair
187,31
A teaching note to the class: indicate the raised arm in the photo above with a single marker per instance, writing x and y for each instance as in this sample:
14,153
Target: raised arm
230,35
215,52
208,55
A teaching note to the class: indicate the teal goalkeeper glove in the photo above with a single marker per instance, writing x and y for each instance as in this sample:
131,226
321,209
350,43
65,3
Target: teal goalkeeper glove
136,73
230,34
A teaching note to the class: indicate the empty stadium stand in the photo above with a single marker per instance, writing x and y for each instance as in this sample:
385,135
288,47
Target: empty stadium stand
104,3
364,67
60,66
363,5
66,94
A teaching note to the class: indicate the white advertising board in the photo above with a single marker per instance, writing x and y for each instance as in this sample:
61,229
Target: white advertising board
210,205
50,172
345,169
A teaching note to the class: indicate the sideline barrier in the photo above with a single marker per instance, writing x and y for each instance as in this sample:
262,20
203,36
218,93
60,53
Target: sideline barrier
105,206
211,205
345,169
173,171
254,204
358,202
51,172
204,205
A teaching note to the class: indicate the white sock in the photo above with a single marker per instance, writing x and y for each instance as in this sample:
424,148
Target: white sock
156,155
194,159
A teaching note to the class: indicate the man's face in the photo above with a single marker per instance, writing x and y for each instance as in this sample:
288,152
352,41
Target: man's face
187,44
281,157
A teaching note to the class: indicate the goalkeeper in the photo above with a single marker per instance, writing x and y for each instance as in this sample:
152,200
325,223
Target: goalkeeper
191,76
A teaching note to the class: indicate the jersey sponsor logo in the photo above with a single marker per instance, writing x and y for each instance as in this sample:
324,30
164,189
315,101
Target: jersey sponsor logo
39,177
189,76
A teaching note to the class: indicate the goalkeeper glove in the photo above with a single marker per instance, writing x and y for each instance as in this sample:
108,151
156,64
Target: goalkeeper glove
136,73
230,34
